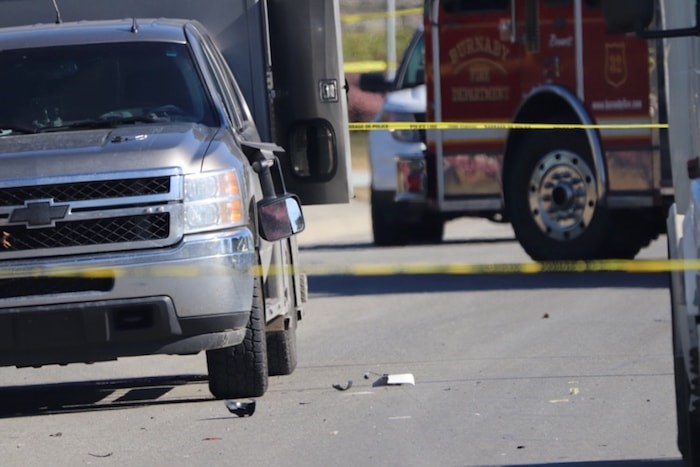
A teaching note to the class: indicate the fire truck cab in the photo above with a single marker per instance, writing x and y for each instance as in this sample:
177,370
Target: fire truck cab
557,133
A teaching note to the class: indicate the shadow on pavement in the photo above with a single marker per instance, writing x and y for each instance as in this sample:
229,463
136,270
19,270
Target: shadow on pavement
86,396
345,285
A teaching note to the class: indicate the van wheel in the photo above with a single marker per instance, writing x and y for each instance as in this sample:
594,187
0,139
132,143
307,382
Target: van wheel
241,371
551,197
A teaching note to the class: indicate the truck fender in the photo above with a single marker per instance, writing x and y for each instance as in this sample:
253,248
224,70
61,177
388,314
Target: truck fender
549,100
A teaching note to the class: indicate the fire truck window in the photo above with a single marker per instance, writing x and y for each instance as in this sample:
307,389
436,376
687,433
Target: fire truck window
468,6
558,2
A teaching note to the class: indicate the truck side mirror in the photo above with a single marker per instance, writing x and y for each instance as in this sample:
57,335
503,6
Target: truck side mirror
374,82
628,15
280,217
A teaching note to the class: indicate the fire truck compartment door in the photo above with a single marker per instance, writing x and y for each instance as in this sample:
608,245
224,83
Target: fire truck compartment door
309,105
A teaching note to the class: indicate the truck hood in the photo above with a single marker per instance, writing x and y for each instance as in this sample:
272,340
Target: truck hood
121,149
409,100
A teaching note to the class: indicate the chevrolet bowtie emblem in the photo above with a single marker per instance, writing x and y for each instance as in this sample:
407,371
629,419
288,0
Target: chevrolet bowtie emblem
39,213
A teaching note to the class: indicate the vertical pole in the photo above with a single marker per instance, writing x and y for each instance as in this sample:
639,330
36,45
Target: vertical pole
390,39
578,31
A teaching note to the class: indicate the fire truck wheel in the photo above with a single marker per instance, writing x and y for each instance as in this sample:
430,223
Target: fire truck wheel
628,234
551,197
241,371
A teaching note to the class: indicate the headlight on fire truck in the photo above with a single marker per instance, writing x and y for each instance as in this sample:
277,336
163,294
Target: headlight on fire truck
405,136
213,201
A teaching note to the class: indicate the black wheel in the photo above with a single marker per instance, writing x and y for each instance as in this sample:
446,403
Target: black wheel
551,197
282,345
627,235
387,230
241,371
282,349
430,230
688,422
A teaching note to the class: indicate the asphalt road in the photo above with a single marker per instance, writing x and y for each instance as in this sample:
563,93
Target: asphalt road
538,369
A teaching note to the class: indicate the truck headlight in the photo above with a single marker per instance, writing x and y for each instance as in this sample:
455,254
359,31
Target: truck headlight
213,201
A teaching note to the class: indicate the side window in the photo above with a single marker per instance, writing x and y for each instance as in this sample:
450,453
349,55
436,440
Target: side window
220,83
234,92
469,6
415,66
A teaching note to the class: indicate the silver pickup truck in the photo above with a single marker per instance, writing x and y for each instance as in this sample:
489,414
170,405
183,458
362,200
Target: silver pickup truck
139,211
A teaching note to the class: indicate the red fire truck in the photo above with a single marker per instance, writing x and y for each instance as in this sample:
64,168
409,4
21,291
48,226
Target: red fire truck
598,190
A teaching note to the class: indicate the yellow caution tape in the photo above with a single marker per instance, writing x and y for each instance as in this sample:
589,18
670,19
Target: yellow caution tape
370,126
620,266
628,266
367,66
358,18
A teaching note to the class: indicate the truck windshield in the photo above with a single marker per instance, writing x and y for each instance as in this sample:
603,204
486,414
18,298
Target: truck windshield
68,87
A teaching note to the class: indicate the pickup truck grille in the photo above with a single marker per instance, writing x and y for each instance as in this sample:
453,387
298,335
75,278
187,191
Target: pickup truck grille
90,214
89,232
82,191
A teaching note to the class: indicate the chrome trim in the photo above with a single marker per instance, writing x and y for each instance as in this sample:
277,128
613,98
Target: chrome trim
170,203
95,177
471,205
177,221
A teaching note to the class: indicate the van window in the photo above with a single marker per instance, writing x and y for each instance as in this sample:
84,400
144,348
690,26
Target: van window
414,72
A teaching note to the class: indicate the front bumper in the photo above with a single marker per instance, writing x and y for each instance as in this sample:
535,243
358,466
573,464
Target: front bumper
193,297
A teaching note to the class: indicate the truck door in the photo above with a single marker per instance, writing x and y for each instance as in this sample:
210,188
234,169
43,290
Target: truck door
473,73
309,101
547,29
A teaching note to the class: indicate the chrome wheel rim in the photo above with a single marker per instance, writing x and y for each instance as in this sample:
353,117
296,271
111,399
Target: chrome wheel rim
562,195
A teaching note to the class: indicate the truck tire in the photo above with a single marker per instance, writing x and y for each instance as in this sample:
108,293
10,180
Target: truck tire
282,349
282,345
688,423
241,371
387,230
551,197
628,234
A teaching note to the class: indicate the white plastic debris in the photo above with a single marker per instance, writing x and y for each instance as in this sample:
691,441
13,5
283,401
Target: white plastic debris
402,378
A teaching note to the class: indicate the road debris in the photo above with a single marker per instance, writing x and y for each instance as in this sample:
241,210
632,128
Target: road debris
240,408
395,380
109,454
340,387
